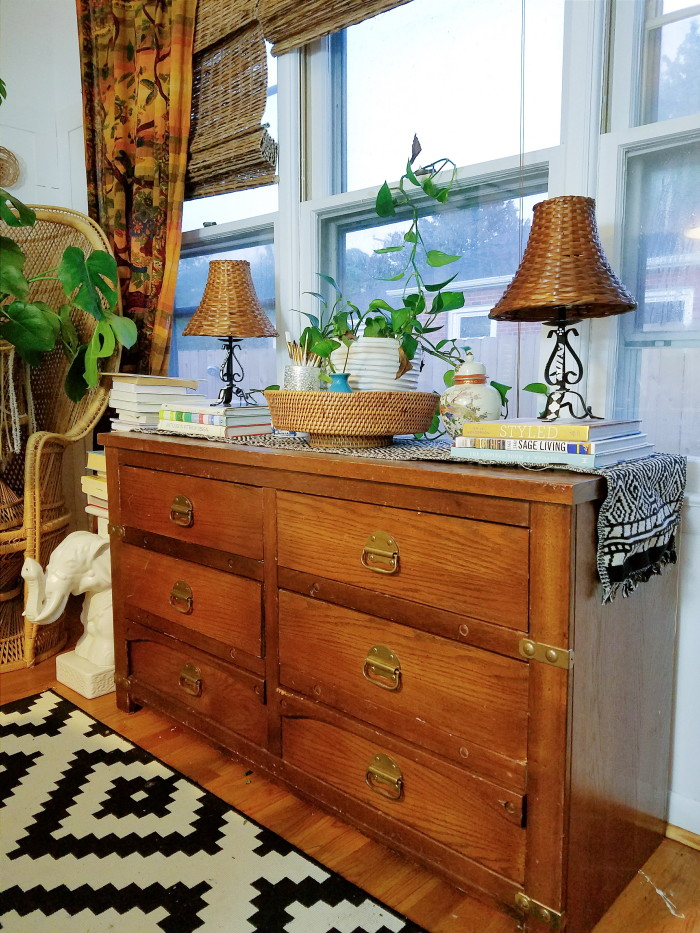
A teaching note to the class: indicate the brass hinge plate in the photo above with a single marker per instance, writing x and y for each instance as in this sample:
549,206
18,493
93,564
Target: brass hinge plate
546,654
541,912
116,531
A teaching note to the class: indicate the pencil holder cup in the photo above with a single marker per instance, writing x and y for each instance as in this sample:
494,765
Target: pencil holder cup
304,378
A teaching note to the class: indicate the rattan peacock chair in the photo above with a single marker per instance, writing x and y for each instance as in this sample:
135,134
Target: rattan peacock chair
32,461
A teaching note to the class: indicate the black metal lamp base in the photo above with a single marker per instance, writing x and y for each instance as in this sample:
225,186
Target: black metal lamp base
230,378
558,374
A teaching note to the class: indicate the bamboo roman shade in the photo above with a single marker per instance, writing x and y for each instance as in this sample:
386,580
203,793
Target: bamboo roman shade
289,24
229,148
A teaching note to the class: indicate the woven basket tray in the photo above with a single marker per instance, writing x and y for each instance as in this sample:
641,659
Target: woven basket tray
354,419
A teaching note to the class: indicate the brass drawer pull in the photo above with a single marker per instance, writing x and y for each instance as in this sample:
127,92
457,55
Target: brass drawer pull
181,598
182,512
380,553
382,668
384,777
191,679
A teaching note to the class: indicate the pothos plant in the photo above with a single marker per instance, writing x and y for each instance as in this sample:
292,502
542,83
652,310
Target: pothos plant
34,328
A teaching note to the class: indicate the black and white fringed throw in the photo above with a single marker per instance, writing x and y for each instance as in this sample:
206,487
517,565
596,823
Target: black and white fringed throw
637,521
98,835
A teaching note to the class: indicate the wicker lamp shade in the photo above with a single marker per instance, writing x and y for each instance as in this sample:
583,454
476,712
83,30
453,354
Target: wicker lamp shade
564,274
229,306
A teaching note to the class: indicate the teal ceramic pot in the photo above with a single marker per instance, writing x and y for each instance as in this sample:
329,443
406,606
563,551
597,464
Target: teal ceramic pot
339,383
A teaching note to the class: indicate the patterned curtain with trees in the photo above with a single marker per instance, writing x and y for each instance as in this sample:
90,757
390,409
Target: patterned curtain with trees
136,58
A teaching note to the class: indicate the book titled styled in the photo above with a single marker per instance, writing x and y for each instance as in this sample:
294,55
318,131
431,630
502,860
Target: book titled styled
561,430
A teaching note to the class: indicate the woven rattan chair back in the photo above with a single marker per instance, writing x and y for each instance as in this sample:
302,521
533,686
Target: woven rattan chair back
36,471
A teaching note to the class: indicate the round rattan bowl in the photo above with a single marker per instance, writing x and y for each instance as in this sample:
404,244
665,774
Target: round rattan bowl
353,419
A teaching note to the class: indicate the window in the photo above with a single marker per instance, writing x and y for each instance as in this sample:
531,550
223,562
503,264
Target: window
659,353
449,71
671,60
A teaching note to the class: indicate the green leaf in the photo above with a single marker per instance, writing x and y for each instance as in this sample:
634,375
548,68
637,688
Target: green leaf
378,303
29,328
325,347
436,257
409,345
388,249
452,300
384,205
330,280
91,278
12,280
376,327
410,237
429,186
124,329
24,216
539,387
75,385
320,298
411,175
442,195
391,278
399,318
448,377
436,288
502,390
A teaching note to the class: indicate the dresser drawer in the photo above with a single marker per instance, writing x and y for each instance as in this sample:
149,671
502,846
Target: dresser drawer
437,692
474,818
209,602
221,515
225,696
477,568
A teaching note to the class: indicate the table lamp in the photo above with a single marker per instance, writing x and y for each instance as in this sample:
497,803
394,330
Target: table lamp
563,278
230,310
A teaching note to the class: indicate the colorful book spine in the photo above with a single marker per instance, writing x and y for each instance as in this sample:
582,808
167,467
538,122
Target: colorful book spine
499,443
510,457
214,430
191,417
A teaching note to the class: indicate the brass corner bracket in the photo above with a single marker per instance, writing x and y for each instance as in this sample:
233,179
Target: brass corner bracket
532,908
550,655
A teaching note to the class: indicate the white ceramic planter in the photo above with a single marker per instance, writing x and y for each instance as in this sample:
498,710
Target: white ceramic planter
372,363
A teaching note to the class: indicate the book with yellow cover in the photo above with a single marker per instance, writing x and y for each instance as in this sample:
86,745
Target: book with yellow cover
97,461
94,485
560,430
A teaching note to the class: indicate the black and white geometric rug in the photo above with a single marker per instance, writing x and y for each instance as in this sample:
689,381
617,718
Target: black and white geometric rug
98,835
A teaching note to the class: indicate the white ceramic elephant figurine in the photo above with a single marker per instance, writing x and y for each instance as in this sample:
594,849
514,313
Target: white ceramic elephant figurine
80,564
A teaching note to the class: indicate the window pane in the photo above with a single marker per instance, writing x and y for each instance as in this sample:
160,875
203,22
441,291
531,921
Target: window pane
201,357
658,376
489,234
673,72
419,69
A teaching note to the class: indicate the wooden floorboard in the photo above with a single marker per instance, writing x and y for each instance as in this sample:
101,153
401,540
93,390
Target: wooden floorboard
665,898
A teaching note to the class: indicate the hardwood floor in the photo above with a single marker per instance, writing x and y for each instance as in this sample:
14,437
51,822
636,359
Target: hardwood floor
664,898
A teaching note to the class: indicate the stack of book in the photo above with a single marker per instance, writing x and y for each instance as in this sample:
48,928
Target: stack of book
139,399
216,422
561,442
94,485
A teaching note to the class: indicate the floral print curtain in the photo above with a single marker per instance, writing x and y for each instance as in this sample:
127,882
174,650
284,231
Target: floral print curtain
136,59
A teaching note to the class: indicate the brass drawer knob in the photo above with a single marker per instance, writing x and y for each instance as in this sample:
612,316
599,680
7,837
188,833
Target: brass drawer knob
384,777
191,680
380,553
382,668
181,598
182,512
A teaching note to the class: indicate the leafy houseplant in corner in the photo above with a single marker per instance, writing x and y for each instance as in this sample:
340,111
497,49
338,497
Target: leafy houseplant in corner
34,328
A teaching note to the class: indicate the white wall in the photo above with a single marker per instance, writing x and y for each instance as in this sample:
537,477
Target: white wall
41,122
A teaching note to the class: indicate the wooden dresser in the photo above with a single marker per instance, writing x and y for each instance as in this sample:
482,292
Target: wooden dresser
396,641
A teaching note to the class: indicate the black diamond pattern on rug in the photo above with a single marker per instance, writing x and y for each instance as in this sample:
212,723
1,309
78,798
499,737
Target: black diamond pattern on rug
98,835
